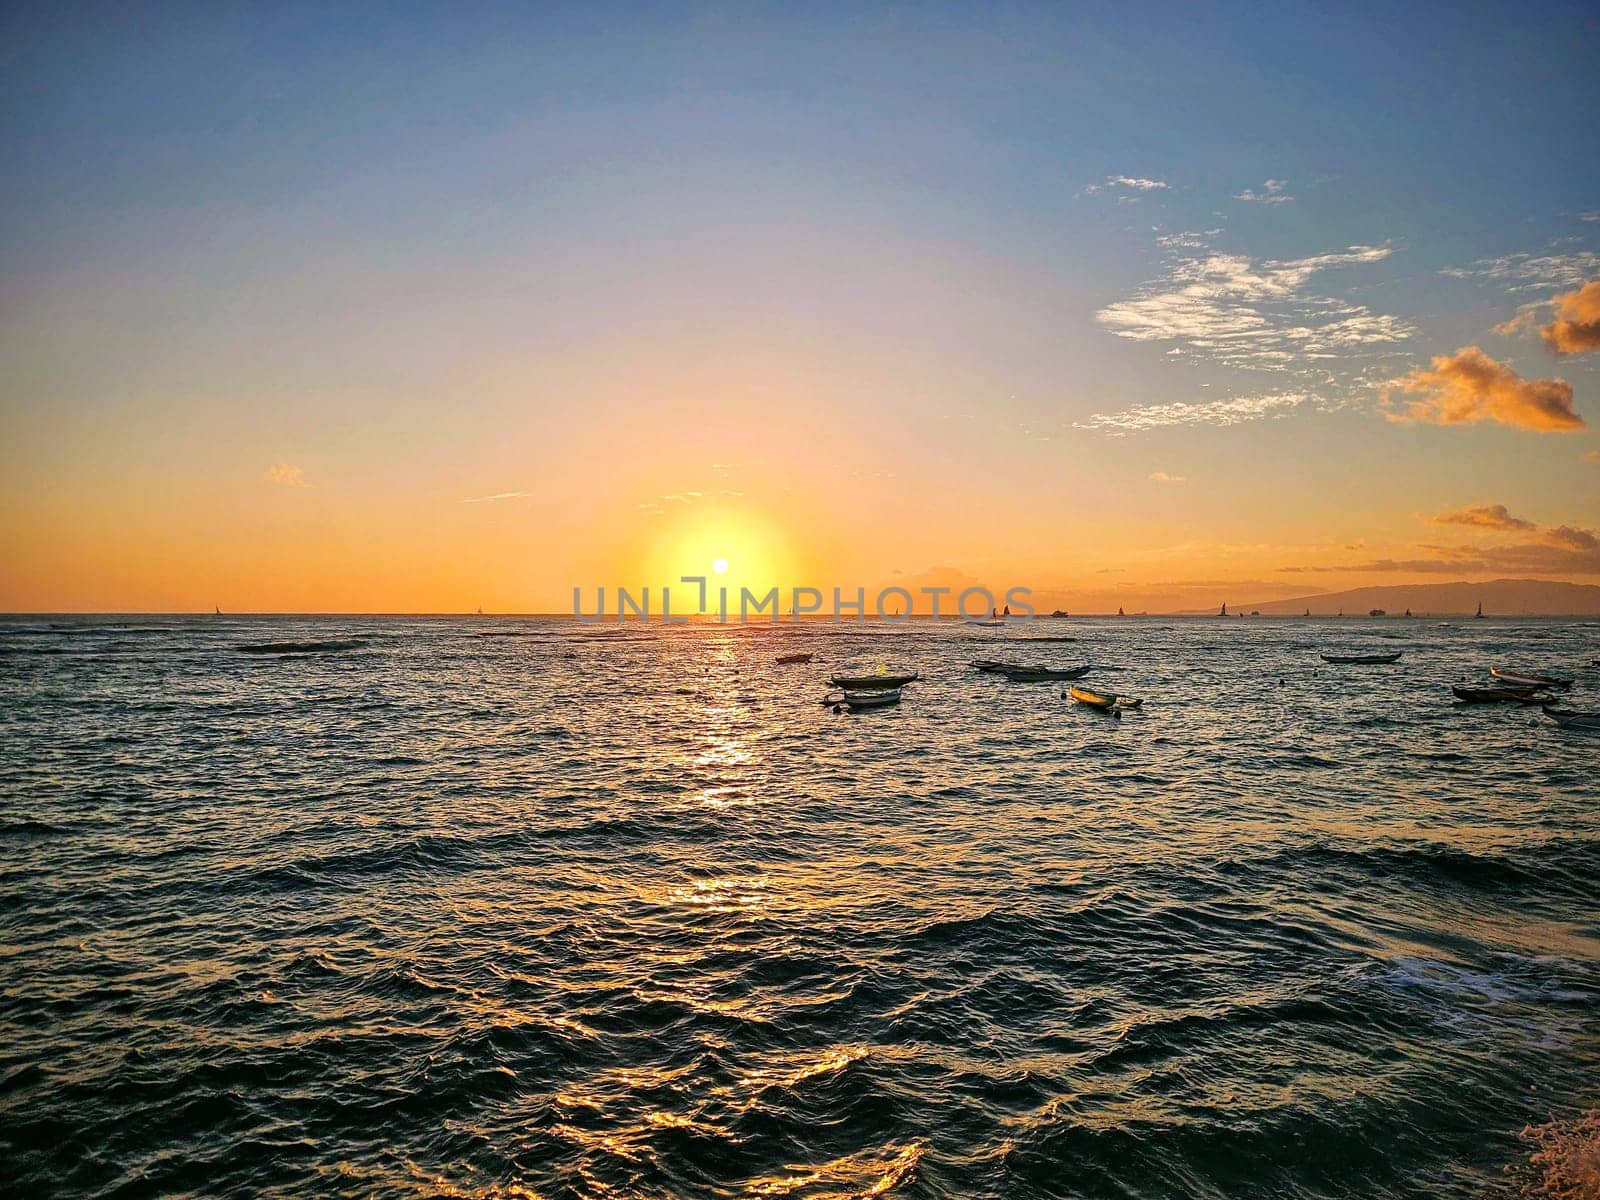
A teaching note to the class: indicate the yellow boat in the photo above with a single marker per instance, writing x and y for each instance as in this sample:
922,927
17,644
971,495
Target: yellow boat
1101,700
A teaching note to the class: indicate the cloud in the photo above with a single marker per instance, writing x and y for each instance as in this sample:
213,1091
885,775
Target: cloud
496,496
1271,193
1128,181
1248,312
1532,272
1525,321
1470,387
1163,477
1544,549
286,475
1484,516
1593,456
1208,412
1576,329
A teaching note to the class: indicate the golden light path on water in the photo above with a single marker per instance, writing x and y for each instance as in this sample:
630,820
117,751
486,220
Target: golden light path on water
509,907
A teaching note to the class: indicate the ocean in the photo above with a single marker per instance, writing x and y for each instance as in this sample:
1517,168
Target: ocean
527,908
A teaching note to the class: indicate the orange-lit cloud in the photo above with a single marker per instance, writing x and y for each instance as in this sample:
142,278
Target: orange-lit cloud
1576,329
1163,477
286,474
1470,387
1592,457
1484,516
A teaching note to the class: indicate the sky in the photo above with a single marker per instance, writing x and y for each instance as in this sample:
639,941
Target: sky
416,308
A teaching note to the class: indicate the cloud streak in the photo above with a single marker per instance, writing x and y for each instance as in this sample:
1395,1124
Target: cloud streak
1484,516
1210,412
496,496
1532,272
1576,328
1163,477
1254,313
1469,387
1129,182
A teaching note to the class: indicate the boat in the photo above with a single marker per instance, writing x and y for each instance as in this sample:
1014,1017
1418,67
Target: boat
1479,613
878,698
871,683
987,623
1041,674
1060,613
785,660
1499,695
1529,679
1377,612
990,665
1224,611
1578,722
1365,659
1101,700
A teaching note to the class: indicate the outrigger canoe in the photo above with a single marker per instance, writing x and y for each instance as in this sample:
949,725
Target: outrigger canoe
990,665
1528,679
880,698
785,660
1578,722
1366,659
1101,700
1042,674
871,683
1500,695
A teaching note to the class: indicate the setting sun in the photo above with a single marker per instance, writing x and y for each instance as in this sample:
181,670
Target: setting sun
720,566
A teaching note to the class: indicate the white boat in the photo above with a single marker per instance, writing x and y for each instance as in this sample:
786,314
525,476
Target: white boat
1529,679
881,698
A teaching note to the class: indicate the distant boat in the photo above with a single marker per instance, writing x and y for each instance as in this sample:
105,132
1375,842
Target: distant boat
1529,679
878,698
1120,613
1059,613
1408,612
988,665
1499,695
1364,659
785,660
1101,700
1479,613
1041,674
1224,611
1377,612
990,623
217,610
864,683
1308,612
1578,722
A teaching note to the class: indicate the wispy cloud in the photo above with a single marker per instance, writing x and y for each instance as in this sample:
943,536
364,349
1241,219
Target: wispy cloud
1209,412
287,475
1128,182
1593,456
1541,550
1469,387
496,496
1256,313
1484,516
1163,477
1576,329
1532,272
1272,192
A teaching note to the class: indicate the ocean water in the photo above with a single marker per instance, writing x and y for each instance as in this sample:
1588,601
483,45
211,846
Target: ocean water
499,907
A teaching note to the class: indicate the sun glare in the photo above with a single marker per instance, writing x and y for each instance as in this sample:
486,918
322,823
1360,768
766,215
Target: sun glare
720,566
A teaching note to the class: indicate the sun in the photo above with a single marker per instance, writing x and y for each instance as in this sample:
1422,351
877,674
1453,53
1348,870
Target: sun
719,565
